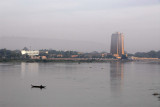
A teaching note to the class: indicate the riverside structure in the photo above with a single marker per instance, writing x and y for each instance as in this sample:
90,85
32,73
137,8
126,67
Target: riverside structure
117,44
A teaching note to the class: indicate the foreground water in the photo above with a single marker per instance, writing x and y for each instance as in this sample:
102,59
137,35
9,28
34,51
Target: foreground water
79,85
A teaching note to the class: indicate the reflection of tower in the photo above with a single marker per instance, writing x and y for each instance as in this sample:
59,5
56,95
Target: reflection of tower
116,76
117,44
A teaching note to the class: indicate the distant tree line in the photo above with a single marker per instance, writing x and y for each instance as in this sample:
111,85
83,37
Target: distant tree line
6,54
54,53
151,54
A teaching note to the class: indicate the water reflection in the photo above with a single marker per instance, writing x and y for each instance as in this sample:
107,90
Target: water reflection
116,76
30,69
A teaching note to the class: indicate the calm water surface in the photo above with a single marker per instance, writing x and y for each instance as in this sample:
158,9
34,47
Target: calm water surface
79,85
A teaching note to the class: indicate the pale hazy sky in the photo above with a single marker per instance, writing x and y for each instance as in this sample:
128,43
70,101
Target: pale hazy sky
89,21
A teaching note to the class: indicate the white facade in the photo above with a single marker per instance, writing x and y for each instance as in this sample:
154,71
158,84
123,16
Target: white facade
30,53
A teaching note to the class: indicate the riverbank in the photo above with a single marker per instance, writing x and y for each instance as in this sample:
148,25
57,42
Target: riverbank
79,60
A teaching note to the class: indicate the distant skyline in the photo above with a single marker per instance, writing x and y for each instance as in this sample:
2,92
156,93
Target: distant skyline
89,22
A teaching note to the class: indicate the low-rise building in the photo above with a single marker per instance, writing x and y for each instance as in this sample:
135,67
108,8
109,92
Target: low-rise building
74,56
59,55
30,53
43,57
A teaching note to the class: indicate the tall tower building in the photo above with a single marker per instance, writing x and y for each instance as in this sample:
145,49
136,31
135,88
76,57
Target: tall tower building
117,44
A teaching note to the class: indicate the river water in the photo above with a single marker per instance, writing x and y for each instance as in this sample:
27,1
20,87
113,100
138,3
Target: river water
115,84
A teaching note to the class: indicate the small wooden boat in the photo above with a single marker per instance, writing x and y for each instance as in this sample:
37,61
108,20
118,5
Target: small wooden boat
38,86
155,94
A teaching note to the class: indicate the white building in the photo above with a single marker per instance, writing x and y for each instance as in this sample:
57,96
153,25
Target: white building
30,53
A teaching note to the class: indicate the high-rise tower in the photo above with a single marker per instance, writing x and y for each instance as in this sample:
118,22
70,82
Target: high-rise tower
117,44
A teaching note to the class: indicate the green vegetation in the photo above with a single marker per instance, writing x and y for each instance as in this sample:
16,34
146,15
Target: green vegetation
124,57
151,54
57,54
8,54
72,56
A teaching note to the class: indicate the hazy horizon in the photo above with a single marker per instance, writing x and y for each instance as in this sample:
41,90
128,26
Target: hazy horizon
81,25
